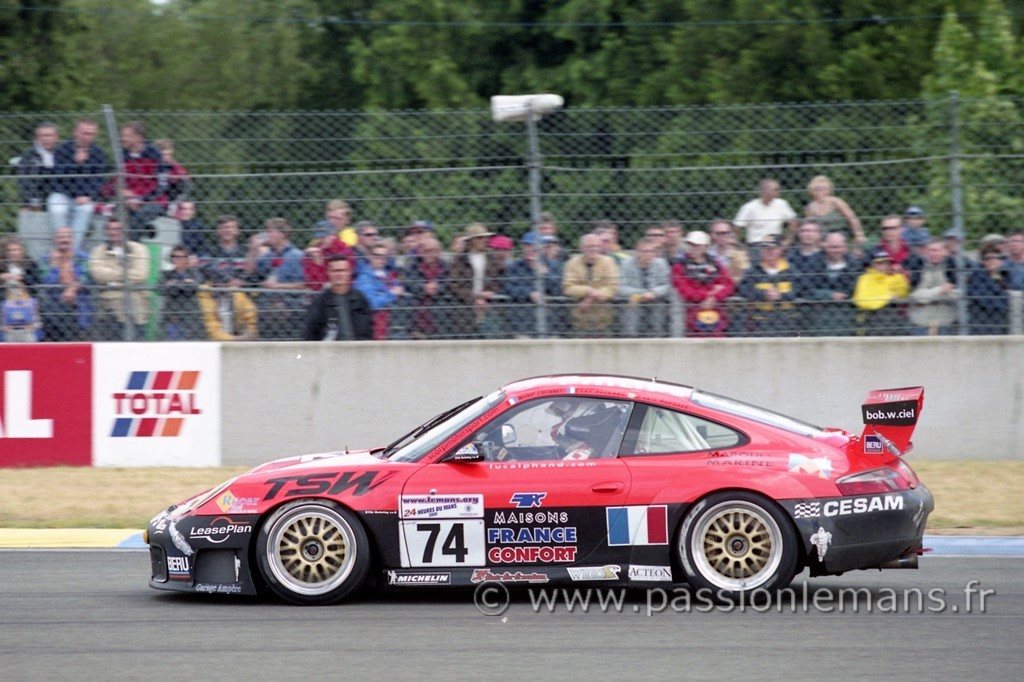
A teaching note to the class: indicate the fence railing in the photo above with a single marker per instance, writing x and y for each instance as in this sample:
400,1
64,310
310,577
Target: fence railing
958,159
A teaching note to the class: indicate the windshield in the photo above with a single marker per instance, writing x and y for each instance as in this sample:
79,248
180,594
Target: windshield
754,413
429,435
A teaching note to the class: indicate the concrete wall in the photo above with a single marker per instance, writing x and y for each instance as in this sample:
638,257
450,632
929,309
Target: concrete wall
294,398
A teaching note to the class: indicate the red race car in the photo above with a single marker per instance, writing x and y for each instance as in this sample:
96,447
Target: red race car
557,479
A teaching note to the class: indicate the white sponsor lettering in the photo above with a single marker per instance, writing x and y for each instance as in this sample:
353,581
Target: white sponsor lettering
861,505
650,573
891,414
395,578
18,409
218,588
177,564
589,573
514,517
219,533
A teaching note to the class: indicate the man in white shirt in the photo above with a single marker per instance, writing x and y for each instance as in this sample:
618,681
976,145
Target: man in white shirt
766,215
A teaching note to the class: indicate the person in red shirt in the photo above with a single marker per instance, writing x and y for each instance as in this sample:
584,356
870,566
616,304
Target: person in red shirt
703,285
892,242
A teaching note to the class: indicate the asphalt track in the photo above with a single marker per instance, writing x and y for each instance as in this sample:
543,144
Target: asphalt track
85,614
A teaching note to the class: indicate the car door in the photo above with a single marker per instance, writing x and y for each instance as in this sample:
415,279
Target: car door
668,454
537,495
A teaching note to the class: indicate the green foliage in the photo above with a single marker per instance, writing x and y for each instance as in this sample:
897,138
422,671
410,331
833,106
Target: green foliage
982,66
435,54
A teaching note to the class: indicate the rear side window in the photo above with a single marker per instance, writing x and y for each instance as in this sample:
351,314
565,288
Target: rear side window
663,431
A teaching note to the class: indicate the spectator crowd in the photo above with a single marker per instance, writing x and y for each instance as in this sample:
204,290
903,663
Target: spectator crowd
767,271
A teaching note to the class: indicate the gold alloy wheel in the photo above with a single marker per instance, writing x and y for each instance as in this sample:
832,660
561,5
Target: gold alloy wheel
311,549
736,546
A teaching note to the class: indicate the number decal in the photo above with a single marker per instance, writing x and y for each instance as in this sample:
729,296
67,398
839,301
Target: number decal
445,542
455,544
432,529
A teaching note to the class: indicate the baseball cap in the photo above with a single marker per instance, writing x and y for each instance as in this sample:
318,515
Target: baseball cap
954,233
880,254
421,225
500,242
698,238
533,237
914,212
769,240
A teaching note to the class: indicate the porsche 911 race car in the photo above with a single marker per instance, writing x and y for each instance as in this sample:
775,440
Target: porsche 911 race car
564,479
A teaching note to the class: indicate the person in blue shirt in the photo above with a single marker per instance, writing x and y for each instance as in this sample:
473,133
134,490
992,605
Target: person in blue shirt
278,267
381,283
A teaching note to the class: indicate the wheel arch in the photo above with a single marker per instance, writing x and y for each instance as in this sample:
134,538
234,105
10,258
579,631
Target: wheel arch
375,559
676,559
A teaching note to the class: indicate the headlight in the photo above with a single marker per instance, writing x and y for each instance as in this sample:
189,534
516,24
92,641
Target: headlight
202,498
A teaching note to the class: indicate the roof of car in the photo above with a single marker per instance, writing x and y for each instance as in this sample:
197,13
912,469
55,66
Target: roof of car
573,382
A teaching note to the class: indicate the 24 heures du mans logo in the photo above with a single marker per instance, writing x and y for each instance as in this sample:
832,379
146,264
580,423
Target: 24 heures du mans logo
155,404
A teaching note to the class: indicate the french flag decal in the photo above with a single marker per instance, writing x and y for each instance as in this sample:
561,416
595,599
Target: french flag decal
643,525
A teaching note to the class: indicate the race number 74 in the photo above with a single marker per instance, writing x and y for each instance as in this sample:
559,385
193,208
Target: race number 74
443,543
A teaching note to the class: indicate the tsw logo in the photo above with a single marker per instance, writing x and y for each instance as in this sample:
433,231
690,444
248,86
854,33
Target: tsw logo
17,419
158,402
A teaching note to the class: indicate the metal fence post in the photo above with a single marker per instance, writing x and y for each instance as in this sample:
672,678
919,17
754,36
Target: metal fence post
957,198
533,164
115,145
1016,325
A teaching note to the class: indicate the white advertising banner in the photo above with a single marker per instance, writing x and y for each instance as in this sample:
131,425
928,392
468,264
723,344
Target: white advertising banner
156,404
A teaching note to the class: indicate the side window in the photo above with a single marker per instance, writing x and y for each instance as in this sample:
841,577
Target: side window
664,431
555,428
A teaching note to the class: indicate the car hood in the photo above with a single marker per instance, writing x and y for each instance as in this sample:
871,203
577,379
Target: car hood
352,458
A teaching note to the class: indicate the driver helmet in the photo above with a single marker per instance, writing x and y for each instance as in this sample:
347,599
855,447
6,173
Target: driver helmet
594,428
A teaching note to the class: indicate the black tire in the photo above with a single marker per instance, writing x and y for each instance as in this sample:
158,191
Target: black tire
737,543
313,552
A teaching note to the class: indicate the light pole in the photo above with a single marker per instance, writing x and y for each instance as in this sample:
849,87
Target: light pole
530,108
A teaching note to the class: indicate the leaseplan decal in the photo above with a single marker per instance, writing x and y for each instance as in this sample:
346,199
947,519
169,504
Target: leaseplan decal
155,404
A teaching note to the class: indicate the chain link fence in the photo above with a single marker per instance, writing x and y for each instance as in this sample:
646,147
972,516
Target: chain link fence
645,171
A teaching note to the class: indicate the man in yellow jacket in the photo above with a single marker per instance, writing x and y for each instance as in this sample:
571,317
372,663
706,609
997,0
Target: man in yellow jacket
876,294
227,315
591,279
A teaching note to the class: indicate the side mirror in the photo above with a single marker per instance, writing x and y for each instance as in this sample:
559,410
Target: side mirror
467,453
508,434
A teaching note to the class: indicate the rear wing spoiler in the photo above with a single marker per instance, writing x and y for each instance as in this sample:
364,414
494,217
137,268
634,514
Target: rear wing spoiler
890,415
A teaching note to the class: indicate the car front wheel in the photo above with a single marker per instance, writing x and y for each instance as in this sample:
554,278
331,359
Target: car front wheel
735,543
313,552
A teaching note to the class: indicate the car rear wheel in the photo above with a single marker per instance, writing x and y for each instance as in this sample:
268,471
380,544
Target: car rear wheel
736,543
313,552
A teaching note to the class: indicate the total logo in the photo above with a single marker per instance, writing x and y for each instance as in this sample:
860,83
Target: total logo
155,404
219,530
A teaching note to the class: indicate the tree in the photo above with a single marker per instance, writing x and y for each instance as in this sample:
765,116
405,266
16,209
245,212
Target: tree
982,69
34,71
